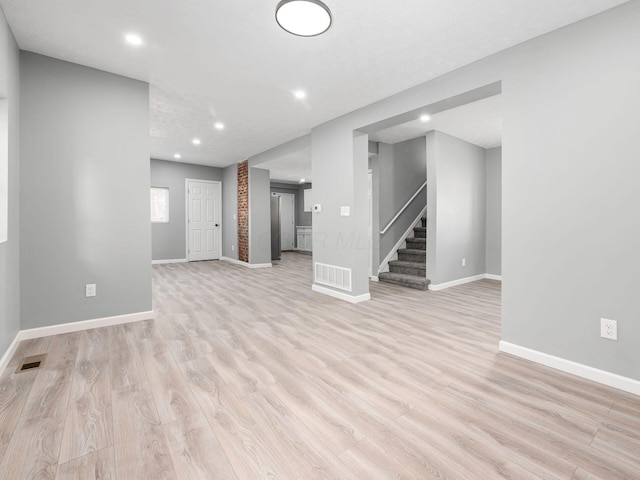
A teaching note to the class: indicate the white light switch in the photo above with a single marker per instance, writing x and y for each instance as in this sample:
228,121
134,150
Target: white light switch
90,290
345,211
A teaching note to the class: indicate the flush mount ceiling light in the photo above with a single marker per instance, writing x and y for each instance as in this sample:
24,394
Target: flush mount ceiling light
133,39
305,18
218,126
425,118
177,155
300,94
196,141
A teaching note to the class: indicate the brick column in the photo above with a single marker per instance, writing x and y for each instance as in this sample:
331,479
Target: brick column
243,211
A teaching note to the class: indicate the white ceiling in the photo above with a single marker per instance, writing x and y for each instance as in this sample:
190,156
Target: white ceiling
291,167
227,60
479,123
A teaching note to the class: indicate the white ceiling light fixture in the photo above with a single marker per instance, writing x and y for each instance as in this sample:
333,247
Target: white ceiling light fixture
302,180
425,118
196,141
300,94
133,39
305,18
177,156
218,126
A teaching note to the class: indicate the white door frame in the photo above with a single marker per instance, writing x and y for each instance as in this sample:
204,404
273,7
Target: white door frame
293,233
186,213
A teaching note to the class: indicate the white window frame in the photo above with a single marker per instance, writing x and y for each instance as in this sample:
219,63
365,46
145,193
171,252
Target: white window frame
165,219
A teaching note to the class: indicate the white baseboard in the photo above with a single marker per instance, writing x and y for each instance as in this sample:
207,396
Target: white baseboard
384,266
453,283
590,373
342,296
461,281
83,325
259,265
245,264
174,260
4,361
68,328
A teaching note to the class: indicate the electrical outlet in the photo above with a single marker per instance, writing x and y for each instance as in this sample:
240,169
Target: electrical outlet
233,247
464,262
90,290
608,329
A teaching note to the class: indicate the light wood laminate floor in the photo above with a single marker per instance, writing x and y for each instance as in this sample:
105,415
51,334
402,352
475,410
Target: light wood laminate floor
248,374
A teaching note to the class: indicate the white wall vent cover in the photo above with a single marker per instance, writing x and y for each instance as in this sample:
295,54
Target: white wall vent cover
336,277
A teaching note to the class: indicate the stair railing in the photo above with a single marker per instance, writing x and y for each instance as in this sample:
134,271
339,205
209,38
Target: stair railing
384,230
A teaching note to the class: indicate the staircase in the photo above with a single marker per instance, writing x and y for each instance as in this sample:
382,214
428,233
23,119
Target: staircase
410,270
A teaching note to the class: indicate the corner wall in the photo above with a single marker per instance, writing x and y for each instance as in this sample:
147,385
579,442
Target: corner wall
168,240
84,193
494,211
456,216
10,250
230,212
259,217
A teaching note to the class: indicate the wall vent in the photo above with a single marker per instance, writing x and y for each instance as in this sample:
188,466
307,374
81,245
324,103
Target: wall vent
31,363
336,277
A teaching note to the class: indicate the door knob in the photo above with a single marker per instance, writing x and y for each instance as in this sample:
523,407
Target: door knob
217,225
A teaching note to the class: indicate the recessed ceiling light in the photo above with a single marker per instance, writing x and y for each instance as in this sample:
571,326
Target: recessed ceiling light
302,180
300,94
219,126
177,155
196,141
133,39
425,118
305,18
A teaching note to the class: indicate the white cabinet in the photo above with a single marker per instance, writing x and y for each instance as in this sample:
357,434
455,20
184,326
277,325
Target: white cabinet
304,236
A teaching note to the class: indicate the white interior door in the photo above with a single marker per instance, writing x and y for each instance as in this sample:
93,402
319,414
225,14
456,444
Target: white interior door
204,232
287,220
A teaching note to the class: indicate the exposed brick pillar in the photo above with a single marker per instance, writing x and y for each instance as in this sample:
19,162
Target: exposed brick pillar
243,211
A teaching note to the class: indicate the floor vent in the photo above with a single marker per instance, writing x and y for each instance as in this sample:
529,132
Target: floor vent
336,277
31,363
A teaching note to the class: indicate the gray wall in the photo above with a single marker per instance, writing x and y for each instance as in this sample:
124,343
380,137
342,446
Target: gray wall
10,250
230,212
494,211
84,193
402,170
259,216
571,202
570,197
168,240
456,225
374,166
340,161
302,218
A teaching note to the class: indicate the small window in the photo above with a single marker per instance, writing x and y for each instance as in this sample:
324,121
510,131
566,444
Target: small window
159,205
